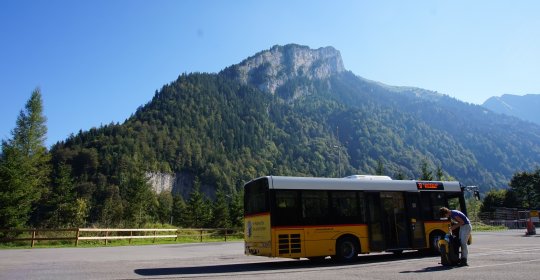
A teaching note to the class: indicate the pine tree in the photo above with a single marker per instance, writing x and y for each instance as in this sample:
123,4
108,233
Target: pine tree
440,173
220,217
140,201
179,211
111,209
198,211
380,167
15,197
64,208
24,165
165,206
400,175
236,211
427,175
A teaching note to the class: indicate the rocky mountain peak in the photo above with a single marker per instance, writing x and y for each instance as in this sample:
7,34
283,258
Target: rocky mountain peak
270,69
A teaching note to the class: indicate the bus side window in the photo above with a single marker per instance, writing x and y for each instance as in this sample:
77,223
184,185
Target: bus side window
286,207
315,207
346,208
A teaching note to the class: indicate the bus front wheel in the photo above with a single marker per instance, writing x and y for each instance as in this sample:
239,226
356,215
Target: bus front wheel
347,249
434,238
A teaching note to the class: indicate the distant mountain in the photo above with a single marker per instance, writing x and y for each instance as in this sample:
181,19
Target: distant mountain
292,110
524,107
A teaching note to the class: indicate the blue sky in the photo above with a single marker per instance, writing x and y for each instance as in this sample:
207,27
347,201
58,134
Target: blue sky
97,61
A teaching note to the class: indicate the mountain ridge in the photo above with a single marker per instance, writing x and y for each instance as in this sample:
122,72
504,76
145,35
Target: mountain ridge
524,107
219,130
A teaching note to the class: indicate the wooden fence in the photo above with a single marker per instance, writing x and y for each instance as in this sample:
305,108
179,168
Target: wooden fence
108,234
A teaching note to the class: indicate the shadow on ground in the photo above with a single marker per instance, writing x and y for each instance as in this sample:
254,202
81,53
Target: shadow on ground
271,266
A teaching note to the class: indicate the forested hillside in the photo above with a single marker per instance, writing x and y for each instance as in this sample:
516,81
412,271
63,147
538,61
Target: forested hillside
289,110
275,113
471,143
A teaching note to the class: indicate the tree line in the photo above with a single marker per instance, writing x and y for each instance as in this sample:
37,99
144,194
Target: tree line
40,189
524,193
222,134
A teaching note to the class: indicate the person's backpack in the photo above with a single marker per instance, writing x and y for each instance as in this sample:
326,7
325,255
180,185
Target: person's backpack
449,249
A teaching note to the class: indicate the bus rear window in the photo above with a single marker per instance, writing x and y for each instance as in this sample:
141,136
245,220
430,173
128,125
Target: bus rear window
256,197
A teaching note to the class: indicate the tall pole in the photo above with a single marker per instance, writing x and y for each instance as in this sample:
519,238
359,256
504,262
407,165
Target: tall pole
339,161
339,152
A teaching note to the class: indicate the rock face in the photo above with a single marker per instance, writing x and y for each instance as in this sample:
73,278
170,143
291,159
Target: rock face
271,69
177,183
161,182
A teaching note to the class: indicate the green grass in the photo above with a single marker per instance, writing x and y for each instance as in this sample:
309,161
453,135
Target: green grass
121,242
484,227
185,236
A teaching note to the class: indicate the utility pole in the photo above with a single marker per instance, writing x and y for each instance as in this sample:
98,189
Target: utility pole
339,151
339,160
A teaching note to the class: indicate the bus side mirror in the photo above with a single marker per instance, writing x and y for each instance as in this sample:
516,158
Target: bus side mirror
476,195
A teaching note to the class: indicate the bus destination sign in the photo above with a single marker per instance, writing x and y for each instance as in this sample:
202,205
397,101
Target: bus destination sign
430,186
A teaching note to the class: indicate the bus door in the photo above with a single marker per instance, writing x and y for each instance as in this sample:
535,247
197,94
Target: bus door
415,221
387,221
376,236
394,219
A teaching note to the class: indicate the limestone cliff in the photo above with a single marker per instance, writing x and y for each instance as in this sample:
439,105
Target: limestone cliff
271,69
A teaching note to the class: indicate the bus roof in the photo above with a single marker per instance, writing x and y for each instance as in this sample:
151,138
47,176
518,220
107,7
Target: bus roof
314,183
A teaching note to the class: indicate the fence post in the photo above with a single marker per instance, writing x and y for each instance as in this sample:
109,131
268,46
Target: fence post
103,234
33,238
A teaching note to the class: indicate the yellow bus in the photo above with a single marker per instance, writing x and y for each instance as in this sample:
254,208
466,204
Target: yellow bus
306,217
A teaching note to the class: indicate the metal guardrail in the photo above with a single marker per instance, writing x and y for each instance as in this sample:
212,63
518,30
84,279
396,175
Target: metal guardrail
108,234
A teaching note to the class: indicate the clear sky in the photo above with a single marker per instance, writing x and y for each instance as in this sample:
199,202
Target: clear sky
96,61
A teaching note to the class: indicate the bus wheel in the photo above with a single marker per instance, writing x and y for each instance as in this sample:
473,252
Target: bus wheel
346,249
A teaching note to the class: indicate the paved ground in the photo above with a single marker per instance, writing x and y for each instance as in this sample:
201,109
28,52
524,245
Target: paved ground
493,255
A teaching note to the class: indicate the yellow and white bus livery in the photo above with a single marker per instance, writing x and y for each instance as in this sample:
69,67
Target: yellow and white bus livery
306,217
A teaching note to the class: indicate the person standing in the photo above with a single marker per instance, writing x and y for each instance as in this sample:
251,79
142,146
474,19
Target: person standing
465,228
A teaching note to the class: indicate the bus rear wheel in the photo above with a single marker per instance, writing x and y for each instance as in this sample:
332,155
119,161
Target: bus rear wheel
347,249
